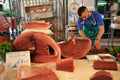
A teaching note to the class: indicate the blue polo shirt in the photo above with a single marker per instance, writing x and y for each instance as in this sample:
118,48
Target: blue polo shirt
97,18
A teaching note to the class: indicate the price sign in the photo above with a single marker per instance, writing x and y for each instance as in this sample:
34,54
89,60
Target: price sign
14,59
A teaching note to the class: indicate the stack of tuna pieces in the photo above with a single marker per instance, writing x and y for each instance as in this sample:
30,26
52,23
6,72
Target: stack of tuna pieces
44,49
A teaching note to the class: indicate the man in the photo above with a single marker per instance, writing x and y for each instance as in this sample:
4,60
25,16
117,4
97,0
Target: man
114,8
93,26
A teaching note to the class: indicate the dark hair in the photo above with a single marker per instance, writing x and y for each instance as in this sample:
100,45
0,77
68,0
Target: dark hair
81,10
112,0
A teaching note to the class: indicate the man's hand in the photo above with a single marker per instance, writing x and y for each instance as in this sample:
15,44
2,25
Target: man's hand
81,33
97,44
97,40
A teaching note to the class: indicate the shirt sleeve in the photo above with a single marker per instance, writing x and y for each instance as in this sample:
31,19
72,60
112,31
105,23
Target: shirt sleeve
98,19
80,24
116,7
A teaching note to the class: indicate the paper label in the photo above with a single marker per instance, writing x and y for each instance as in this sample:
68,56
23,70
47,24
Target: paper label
14,59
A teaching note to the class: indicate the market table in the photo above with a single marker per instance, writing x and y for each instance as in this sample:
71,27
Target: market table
83,70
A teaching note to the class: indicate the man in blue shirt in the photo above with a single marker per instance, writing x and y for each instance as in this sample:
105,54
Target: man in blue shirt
90,26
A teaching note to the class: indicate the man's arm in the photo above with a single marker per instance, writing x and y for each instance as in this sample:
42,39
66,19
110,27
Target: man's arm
116,7
81,33
97,41
101,32
111,11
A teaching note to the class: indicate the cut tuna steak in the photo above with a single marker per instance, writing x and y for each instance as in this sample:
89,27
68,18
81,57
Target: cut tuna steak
4,30
65,65
36,73
105,65
36,25
102,75
43,48
75,48
4,25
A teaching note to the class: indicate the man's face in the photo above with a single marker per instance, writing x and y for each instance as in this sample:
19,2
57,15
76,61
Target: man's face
111,2
85,15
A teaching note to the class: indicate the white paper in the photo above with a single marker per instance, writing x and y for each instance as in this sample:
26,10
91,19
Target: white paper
15,59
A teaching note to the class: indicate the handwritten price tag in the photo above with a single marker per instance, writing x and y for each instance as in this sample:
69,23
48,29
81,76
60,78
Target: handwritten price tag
14,59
